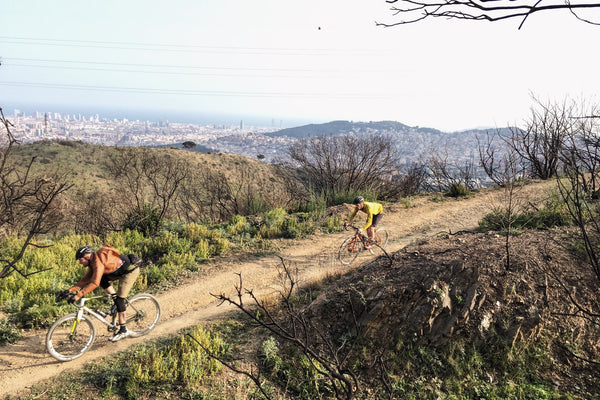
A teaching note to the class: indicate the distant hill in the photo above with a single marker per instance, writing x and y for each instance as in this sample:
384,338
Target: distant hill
412,143
334,128
342,127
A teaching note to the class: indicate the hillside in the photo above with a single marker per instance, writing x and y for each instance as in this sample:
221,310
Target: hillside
444,282
84,162
108,183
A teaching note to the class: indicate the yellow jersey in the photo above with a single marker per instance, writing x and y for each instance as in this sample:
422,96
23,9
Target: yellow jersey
370,209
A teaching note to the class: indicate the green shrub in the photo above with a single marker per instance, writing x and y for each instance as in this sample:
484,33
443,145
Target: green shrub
37,316
407,202
180,361
8,332
270,355
332,225
457,190
126,241
195,232
316,204
154,274
554,213
166,242
290,228
274,217
272,223
220,247
237,226
202,250
293,371
146,220
256,205
178,261
463,369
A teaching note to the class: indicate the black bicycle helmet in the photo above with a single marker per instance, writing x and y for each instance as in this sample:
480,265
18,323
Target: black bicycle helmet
358,200
82,251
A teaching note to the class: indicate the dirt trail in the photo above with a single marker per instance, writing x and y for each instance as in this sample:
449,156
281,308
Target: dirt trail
27,363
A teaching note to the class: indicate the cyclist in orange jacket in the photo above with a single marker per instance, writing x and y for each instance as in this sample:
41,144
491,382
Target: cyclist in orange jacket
105,265
374,213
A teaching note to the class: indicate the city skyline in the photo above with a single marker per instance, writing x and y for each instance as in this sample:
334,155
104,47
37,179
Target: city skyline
154,116
268,144
279,61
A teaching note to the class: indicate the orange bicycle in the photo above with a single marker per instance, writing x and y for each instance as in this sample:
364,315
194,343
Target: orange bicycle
352,246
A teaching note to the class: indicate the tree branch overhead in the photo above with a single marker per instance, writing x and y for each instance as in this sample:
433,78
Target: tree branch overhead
412,11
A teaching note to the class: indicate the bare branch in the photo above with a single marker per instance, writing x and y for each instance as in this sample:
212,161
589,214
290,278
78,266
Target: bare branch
27,203
482,10
296,329
255,379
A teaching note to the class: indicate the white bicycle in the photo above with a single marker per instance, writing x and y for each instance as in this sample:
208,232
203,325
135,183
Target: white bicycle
73,334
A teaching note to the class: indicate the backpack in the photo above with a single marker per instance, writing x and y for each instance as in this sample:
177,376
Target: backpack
135,260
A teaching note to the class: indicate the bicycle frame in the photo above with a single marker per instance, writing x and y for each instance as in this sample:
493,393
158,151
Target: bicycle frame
359,237
363,238
81,308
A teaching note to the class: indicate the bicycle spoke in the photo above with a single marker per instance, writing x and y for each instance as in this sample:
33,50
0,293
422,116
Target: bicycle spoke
142,314
380,239
67,339
349,250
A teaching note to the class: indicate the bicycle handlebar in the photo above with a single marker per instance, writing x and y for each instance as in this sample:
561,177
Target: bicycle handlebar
353,226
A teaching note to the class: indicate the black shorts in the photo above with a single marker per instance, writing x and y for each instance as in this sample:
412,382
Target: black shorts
125,268
376,219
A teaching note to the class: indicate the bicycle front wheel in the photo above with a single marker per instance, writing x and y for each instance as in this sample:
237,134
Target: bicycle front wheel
68,338
349,250
142,314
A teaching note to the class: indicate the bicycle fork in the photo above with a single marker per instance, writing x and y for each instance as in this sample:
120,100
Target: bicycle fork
76,321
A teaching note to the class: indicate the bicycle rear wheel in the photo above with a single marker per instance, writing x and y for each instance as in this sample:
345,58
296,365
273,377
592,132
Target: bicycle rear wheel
381,239
349,250
68,338
142,314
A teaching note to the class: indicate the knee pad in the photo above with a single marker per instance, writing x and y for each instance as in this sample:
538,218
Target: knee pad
120,303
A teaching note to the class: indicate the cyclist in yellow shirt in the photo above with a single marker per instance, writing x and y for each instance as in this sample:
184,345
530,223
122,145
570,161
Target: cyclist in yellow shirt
374,213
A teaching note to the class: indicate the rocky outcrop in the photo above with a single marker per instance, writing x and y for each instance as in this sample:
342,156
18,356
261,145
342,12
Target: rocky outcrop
432,296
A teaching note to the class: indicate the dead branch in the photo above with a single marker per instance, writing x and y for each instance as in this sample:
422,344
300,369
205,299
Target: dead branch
232,367
27,203
296,329
482,10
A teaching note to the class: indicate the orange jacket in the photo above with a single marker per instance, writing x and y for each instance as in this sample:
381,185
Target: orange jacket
104,261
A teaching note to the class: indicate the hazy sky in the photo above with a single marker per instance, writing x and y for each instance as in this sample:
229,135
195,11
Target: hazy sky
316,60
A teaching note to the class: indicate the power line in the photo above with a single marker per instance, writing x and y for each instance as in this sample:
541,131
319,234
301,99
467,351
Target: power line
171,69
176,73
160,91
175,47
162,65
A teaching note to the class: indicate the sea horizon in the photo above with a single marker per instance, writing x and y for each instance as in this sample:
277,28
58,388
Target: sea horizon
153,115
